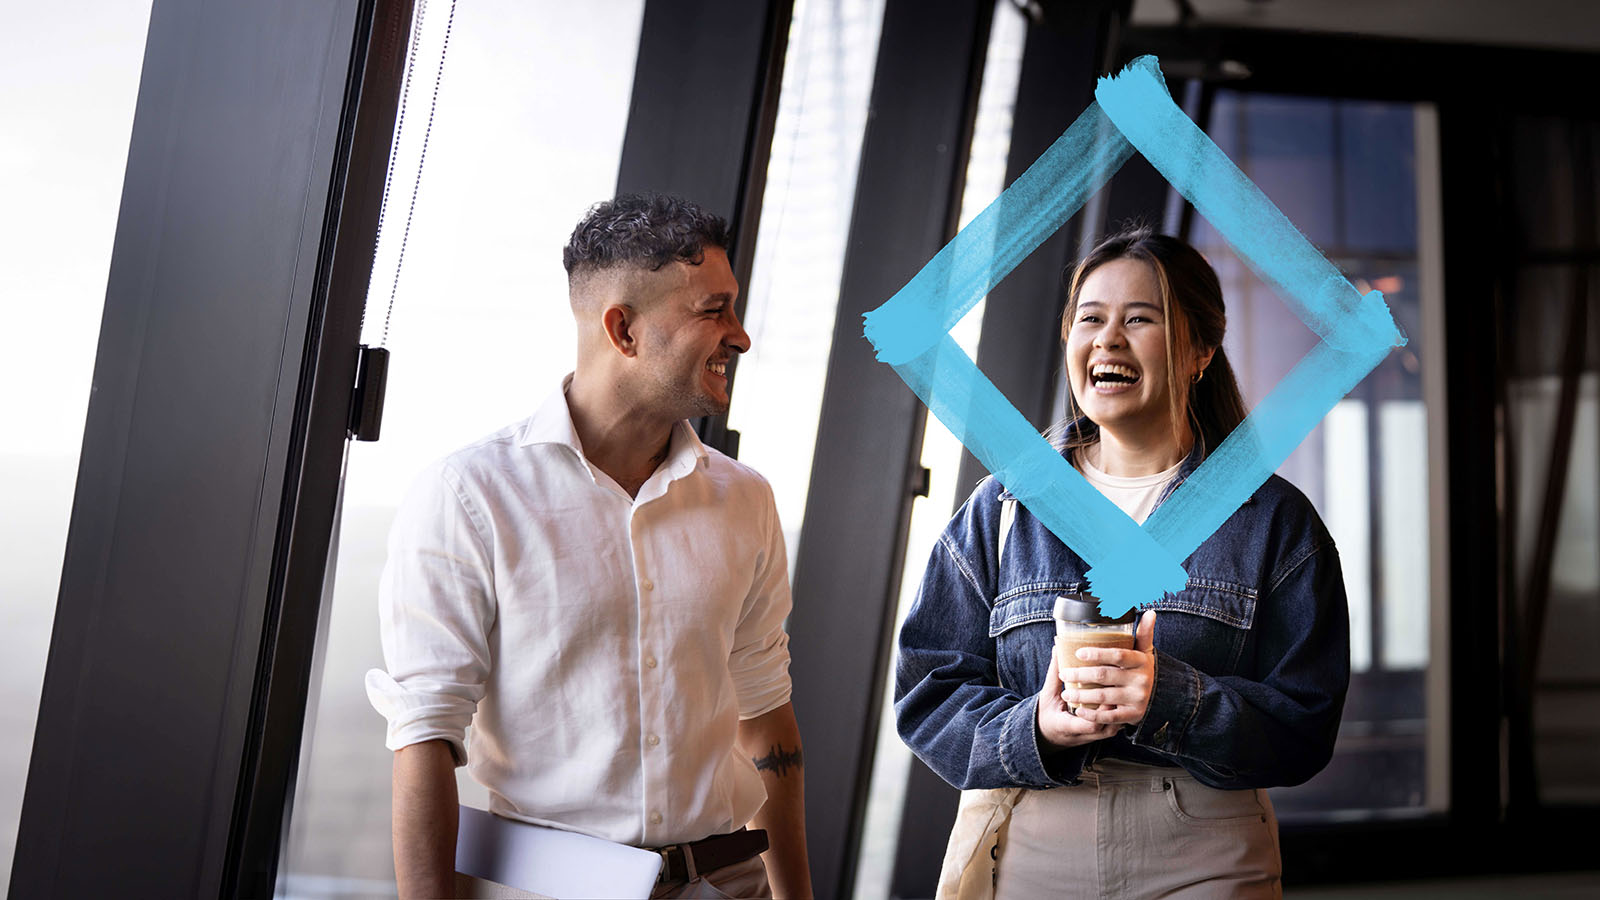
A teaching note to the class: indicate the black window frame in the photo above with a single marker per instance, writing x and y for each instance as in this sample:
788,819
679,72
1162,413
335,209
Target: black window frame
170,720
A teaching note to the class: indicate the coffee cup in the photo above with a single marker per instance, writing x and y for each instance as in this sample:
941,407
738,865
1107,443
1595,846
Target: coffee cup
1079,623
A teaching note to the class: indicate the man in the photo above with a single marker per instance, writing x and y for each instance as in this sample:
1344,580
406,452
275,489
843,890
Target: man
604,594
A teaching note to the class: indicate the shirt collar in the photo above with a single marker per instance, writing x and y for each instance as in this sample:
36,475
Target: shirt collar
685,453
552,424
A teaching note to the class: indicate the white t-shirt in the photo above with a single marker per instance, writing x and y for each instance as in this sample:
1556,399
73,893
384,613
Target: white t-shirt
1134,495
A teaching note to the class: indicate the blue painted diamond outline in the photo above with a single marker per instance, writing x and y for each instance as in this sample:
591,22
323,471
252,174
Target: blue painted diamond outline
1129,564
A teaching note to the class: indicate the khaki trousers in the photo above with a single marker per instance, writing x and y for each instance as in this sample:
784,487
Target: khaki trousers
1132,830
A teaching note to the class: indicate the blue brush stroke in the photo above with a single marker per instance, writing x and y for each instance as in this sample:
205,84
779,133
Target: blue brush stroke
1249,456
1130,565
1136,100
1041,478
1036,205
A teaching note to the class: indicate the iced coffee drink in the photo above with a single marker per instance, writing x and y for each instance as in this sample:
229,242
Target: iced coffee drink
1079,623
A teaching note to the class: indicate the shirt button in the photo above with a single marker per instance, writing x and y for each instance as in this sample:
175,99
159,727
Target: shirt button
655,818
649,662
652,740
647,584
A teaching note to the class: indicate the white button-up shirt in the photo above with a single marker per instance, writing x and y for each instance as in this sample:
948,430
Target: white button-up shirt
603,647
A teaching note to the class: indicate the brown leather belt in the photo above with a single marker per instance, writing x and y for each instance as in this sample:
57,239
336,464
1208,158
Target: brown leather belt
685,862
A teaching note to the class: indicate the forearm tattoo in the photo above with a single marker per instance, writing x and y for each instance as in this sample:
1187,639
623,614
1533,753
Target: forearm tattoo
778,760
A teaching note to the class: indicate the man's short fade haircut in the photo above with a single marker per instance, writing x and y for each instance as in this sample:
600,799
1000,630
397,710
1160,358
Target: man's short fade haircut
644,230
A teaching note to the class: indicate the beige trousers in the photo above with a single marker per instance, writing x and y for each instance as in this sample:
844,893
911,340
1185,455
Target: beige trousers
1132,830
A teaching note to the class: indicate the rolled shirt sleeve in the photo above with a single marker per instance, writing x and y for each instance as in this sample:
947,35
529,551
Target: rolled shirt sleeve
759,661
436,607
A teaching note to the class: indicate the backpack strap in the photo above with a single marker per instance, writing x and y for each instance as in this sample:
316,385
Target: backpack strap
1008,514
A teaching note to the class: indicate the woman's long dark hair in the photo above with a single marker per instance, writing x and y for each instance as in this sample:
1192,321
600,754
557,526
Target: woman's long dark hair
1194,319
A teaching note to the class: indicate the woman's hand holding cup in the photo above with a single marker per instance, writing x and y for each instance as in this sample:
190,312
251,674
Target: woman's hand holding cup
1125,679
1057,725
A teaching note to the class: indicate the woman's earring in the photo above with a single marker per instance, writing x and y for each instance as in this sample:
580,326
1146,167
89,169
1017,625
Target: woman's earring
1197,376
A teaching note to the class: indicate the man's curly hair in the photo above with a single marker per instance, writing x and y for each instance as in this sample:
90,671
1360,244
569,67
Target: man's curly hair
645,230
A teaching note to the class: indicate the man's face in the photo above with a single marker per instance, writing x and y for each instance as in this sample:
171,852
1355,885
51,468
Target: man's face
687,333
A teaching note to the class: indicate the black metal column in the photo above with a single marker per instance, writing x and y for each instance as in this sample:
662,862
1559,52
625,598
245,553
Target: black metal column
169,724
869,439
1476,275
1020,347
705,101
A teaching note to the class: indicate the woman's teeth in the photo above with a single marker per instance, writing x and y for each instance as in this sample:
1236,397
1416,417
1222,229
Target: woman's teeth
1111,373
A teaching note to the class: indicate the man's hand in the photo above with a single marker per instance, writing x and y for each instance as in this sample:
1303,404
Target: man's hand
1057,725
425,816
1126,677
773,742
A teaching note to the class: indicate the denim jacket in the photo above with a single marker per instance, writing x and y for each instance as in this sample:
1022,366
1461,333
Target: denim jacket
1252,657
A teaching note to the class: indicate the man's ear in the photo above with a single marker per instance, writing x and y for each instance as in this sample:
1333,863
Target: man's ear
618,322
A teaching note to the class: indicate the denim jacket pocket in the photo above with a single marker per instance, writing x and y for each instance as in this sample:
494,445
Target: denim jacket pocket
1207,624
1022,625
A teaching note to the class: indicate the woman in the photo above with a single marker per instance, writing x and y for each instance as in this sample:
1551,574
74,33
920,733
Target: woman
1235,684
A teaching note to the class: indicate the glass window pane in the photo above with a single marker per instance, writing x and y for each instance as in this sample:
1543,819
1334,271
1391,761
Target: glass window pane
805,220
1350,175
1568,678
481,332
69,79
1378,211
1555,192
1347,514
1403,424
1568,681
1543,156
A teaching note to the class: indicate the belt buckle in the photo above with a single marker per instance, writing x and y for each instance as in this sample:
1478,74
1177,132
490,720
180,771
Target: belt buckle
665,875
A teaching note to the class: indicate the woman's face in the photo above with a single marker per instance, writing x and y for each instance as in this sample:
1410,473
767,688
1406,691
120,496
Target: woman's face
1117,352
